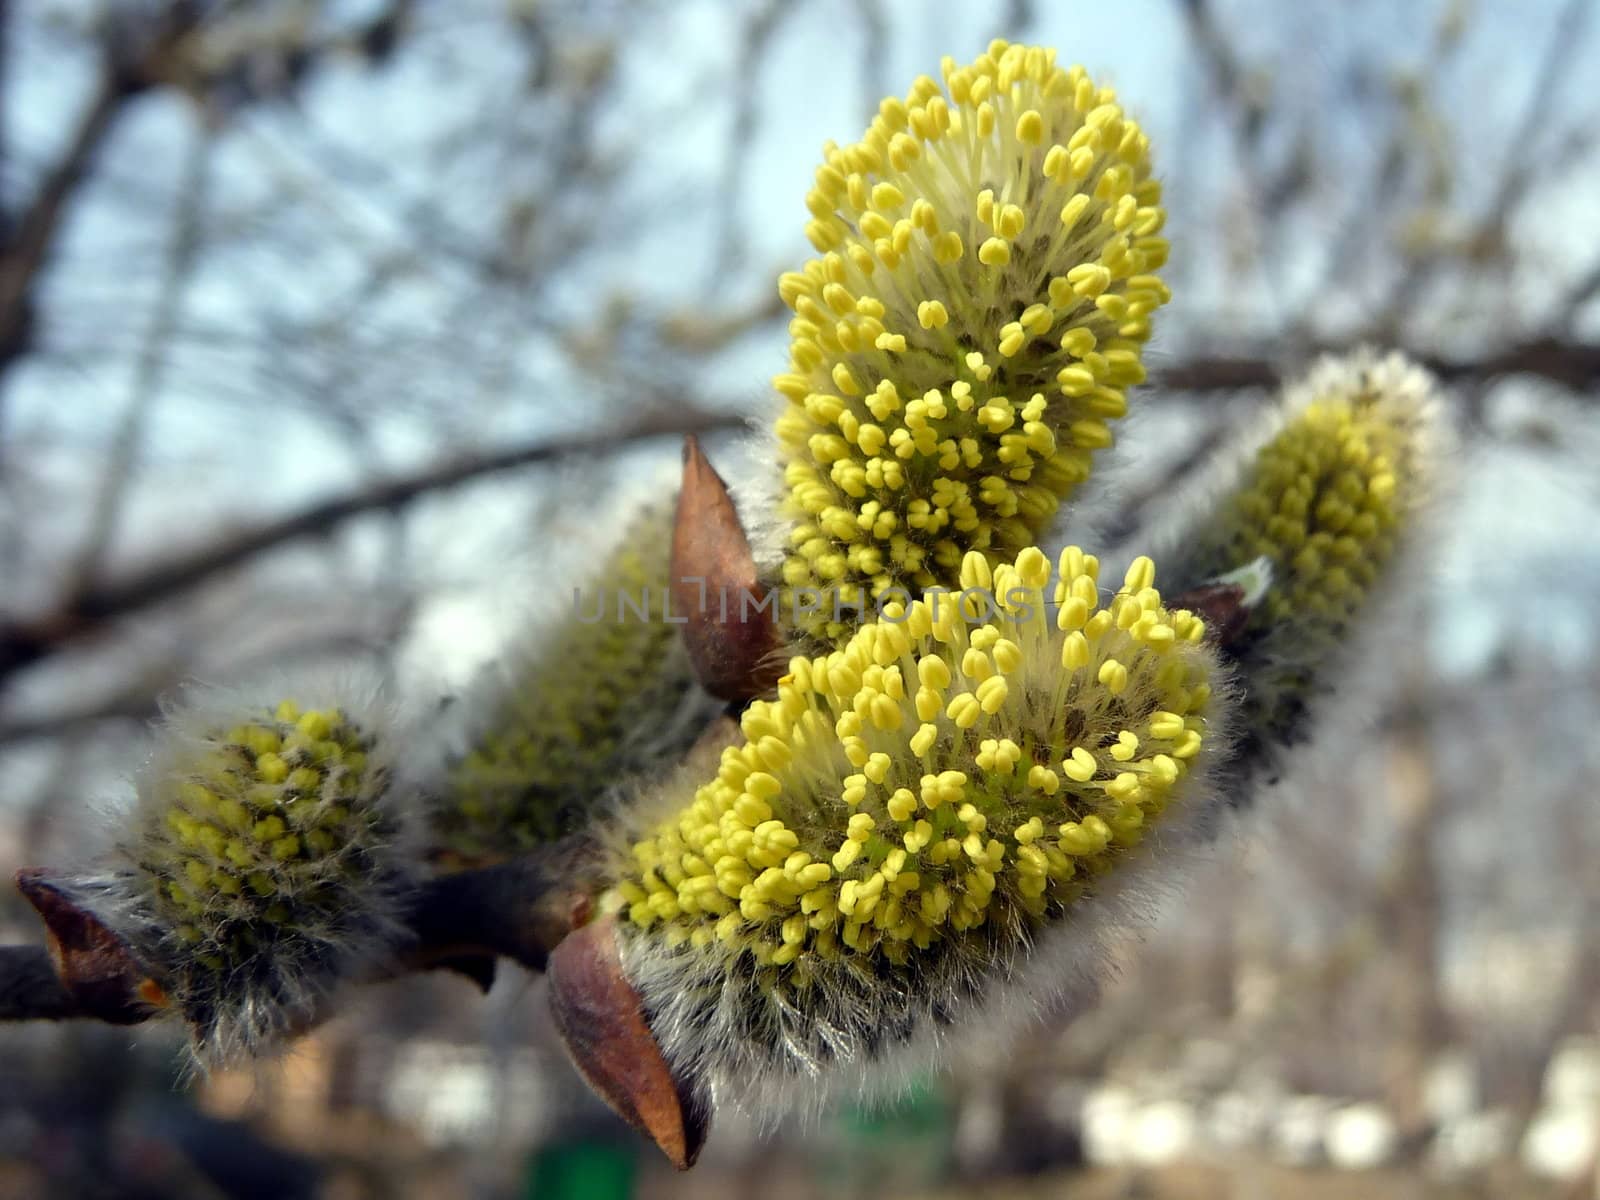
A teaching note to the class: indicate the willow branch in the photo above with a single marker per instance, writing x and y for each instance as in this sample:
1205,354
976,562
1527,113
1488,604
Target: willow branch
517,910
1573,364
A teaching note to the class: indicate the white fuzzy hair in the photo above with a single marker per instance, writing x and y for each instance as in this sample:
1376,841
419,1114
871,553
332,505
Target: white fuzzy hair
759,494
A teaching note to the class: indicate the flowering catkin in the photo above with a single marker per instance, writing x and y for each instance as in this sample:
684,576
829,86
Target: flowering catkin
1328,498
264,860
595,698
909,816
977,312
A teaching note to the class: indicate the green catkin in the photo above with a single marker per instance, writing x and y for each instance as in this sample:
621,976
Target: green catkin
603,694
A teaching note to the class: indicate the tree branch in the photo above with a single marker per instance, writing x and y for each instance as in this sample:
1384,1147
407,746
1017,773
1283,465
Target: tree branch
126,69
1569,363
1517,173
28,246
23,643
519,910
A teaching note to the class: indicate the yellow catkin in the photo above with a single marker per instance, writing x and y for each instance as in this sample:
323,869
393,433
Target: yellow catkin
601,694
983,291
929,778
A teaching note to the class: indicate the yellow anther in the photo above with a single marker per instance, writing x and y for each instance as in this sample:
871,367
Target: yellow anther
1079,766
995,252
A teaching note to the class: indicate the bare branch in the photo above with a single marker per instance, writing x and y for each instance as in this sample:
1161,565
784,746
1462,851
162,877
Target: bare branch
1583,290
30,239
519,909
1246,114
23,643
1516,175
750,57
5,53
1571,364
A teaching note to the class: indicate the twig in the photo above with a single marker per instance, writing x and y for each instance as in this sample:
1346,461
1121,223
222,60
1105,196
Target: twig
750,56
33,234
1584,289
123,459
1383,188
125,71
1570,363
1246,119
519,909
5,54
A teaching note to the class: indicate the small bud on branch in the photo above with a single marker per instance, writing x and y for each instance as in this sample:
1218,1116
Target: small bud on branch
732,642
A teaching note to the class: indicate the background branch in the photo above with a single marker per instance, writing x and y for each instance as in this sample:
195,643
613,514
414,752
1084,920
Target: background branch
23,643
26,241
1572,364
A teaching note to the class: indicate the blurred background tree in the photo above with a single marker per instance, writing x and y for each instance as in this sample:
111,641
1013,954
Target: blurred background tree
321,322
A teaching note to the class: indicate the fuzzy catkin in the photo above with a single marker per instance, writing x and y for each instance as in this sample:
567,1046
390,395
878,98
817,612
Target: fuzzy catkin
1330,497
264,862
591,700
908,817
978,310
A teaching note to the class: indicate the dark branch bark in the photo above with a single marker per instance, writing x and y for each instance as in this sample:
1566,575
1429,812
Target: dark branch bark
28,247
519,910
23,643
1569,363
133,57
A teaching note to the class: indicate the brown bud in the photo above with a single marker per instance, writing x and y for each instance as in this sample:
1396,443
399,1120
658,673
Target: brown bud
602,1022
93,963
731,642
